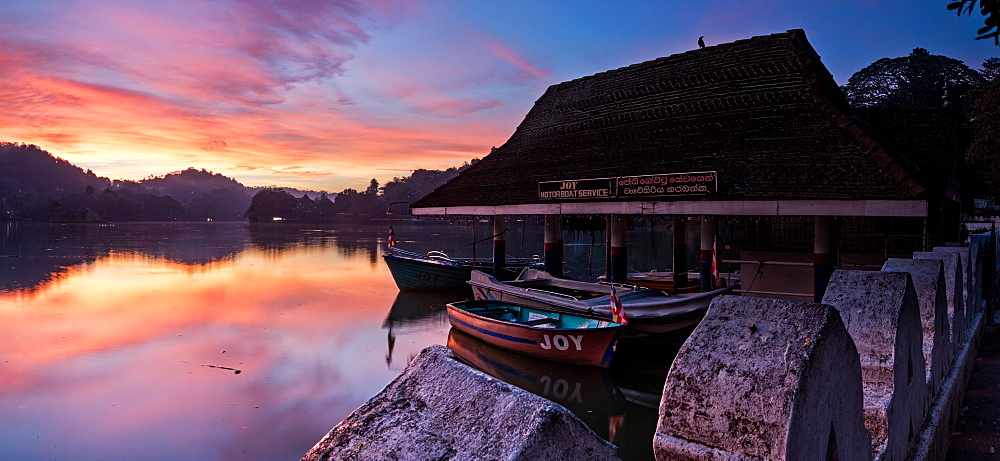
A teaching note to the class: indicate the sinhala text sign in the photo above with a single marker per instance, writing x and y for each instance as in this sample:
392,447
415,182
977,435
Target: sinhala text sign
700,183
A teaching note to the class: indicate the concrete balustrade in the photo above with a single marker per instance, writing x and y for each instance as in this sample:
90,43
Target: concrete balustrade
928,281
965,256
881,312
439,408
757,379
954,281
764,379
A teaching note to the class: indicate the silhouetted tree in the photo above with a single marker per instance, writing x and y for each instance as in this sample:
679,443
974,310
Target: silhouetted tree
990,9
914,81
984,152
991,69
270,203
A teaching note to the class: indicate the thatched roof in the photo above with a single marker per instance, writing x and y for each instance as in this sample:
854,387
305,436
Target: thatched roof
764,113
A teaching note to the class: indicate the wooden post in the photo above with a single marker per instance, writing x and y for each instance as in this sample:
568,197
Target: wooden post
822,255
680,253
499,244
708,230
553,245
619,248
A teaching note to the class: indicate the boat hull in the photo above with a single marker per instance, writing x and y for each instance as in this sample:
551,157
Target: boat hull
414,274
580,388
649,311
665,280
584,346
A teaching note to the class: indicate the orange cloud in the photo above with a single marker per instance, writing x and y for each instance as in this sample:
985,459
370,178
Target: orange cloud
248,87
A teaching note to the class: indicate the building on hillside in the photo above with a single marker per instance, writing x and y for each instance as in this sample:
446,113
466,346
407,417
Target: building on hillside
754,134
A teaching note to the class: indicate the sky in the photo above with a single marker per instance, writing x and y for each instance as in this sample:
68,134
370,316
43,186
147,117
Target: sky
328,94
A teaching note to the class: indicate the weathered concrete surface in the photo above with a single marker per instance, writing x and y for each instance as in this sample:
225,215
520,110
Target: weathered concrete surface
764,379
933,440
882,315
928,280
954,282
439,408
975,433
965,258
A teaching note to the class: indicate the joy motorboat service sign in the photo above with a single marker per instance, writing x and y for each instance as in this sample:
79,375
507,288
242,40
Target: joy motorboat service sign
699,183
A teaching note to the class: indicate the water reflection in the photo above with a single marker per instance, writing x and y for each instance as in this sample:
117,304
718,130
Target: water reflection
414,310
120,341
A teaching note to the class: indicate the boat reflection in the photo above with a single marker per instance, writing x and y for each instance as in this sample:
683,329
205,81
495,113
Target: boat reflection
588,392
417,310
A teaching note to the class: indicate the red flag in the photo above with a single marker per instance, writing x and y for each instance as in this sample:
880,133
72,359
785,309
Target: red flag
715,266
617,310
615,424
392,238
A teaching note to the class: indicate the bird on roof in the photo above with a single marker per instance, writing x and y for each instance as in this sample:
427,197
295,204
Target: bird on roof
701,41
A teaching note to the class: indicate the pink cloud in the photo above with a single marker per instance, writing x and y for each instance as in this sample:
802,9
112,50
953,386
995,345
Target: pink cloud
517,60
235,87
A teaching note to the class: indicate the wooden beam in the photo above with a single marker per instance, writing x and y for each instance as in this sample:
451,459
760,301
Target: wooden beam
891,208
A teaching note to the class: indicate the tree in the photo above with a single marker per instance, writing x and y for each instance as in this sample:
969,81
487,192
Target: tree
984,151
914,81
991,69
270,203
988,8
372,187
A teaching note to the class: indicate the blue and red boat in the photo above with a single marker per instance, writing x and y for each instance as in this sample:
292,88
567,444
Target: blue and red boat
538,332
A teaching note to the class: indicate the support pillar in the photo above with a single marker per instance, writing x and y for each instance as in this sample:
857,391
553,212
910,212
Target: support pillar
553,245
680,253
499,244
708,231
618,225
823,257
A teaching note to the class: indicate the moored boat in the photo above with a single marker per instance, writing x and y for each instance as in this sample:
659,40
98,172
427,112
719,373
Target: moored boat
649,311
582,389
664,280
538,332
436,270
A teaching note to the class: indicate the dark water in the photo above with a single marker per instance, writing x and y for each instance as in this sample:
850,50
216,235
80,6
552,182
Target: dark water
221,341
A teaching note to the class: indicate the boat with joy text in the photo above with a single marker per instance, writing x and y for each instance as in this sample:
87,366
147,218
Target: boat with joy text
538,332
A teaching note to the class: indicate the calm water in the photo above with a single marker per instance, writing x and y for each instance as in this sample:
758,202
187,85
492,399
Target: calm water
222,341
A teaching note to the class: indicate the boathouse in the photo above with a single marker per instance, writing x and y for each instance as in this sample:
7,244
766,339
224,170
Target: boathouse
754,135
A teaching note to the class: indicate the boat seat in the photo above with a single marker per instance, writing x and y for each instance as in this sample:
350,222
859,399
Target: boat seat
537,322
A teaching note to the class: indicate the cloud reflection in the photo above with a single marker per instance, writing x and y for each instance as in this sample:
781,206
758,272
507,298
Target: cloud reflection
109,360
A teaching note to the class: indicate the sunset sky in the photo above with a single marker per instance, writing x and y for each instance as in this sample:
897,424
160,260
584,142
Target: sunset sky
327,94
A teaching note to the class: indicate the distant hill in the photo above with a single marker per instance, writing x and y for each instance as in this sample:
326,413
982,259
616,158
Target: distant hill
28,171
35,185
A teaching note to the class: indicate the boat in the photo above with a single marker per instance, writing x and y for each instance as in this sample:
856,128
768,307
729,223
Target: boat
582,389
437,271
664,280
538,332
649,311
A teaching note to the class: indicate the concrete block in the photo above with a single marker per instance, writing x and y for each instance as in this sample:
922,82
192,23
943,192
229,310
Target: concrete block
928,280
439,408
953,283
965,257
764,379
881,312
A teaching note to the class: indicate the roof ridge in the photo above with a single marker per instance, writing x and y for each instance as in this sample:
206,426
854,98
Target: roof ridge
889,164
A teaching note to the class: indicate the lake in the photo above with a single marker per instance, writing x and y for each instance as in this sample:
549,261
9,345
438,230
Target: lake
214,341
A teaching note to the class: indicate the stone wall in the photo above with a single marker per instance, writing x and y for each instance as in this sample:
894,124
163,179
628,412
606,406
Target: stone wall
904,338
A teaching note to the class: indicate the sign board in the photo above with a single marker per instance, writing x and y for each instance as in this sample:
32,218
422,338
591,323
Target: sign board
576,189
703,183
700,183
